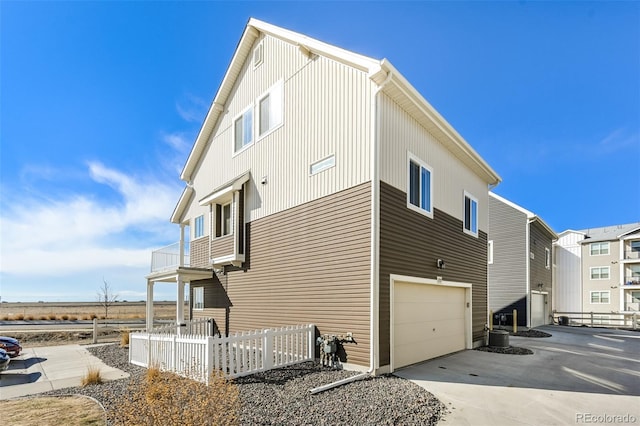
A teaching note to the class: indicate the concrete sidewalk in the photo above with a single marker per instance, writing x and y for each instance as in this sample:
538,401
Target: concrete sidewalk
48,368
577,376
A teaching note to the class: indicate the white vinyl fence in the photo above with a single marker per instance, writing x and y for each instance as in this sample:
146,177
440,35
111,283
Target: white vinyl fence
241,354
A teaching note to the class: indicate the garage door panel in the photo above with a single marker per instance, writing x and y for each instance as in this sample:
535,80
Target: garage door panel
428,321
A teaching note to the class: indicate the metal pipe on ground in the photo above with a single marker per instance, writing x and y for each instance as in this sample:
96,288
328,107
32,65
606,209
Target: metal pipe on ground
338,383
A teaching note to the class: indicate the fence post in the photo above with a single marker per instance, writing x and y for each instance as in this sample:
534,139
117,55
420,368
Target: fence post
148,350
311,343
174,354
209,360
95,330
267,353
515,321
490,320
635,320
591,319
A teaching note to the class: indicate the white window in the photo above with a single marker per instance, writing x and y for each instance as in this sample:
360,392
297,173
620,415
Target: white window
547,258
270,110
470,214
258,55
600,273
243,130
226,219
420,187
598,249
198,227
198,298
323,164
600,296
490,252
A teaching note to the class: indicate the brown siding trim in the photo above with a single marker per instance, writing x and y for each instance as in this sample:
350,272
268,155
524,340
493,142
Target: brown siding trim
410,244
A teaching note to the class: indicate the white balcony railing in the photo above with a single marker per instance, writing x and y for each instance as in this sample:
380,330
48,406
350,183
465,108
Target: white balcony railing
169,257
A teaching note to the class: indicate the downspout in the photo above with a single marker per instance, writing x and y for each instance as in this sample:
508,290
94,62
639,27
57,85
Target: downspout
528,271
375,242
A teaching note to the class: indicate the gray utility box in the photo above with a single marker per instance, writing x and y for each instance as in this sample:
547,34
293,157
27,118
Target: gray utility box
499,338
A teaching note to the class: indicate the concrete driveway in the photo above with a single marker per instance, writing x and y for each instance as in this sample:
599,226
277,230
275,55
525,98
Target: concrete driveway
47,368
577,376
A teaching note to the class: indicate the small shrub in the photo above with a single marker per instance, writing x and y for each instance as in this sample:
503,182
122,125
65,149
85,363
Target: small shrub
52,317
19,317
64,317
93,377
73,318
168,399
42,317
124,337
30,318
93,316
5,318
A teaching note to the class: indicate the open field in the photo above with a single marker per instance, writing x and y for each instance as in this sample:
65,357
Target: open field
82,310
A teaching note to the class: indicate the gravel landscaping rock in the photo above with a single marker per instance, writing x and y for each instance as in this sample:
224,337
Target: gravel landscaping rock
282,397
530,333
511,350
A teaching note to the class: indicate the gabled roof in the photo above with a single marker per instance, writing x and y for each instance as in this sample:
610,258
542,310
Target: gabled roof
531,217
379,71
609,233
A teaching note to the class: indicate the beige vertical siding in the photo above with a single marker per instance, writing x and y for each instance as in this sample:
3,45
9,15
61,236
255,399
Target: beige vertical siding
309,264
326,112
399,133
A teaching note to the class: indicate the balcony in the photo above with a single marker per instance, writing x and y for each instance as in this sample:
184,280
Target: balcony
169,257
632,280
632,254
632,306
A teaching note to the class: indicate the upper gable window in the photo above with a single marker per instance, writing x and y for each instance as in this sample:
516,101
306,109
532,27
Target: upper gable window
470,214
599,248
270,110
420,187
243,130
258,55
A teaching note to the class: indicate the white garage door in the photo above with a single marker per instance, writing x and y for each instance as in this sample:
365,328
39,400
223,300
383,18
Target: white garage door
428,321
537,309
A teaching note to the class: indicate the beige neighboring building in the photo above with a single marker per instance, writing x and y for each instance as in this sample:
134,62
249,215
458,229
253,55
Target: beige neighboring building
324,189
607,262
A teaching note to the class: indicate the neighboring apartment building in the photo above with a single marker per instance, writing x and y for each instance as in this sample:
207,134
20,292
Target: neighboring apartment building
323,188
520,264
607,271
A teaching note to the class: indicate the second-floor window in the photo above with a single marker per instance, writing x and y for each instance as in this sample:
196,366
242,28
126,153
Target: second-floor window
470,214
243,130
270,110
490,252
547,258
599,248
600,273
224,220
420,187
198,227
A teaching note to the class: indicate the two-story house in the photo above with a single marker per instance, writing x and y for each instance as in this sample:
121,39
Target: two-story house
520,264
323,188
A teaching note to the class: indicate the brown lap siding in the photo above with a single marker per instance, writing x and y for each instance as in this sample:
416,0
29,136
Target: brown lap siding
308,264
410,244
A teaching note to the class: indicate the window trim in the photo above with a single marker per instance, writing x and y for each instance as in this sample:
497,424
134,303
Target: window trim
412,158
600,268
547,258
600,292
198,227
321,165
278,88
599,244
252,128
473,218
258,51
198,298
222,221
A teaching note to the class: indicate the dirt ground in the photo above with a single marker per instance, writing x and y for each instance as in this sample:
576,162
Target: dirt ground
82,310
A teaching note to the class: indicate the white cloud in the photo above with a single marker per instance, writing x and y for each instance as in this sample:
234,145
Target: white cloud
191,108
82,232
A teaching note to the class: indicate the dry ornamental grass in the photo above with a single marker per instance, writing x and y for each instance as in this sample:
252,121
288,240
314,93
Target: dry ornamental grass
52,411
163,398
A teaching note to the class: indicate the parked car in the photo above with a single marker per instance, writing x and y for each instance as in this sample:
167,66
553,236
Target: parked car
10,345
4,360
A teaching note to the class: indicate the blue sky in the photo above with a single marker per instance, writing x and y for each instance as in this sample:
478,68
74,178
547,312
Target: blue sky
100,103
